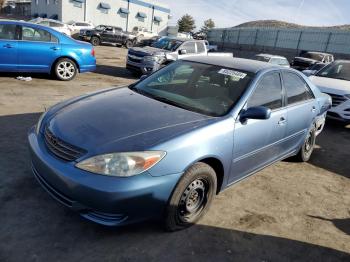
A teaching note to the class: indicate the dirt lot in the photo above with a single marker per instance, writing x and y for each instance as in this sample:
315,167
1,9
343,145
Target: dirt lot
288,212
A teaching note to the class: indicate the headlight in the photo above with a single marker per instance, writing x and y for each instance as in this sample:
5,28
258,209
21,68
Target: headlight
151,58
121,164
38,124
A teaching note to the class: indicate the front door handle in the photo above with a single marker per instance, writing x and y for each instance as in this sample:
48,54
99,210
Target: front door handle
282,121
8,46
313,109
55,48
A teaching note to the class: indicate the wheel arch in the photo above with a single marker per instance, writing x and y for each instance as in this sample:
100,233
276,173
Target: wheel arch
64,56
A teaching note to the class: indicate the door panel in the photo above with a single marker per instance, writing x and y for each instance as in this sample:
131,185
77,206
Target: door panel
8,55
260,142
257,143
37,50
8,47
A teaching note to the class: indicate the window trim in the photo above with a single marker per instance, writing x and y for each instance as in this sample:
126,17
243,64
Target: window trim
20,37
286,95
283,92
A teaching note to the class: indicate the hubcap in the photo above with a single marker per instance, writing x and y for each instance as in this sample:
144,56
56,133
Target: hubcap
193,200
309,142
66,70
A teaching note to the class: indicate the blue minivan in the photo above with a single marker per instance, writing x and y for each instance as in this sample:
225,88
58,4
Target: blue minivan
32,48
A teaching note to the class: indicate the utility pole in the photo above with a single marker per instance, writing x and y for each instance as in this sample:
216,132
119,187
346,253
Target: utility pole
85,11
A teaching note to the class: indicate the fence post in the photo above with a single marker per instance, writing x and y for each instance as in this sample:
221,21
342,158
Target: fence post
328,40
239,35
301,33
276,39
223,37
256,37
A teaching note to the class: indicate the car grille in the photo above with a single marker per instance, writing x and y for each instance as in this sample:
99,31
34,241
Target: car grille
60,148
337,99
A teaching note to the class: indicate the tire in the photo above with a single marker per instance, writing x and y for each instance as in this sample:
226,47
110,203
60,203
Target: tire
129,44
65,69
95,41
307,148
191,198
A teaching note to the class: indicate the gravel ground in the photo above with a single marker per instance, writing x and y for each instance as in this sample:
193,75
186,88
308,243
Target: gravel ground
287,212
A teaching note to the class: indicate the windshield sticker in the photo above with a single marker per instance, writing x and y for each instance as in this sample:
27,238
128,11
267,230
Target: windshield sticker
234,74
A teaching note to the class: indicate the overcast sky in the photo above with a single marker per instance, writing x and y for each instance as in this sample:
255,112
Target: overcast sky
226,13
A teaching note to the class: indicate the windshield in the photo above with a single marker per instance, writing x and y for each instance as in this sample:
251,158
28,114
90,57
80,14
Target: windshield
337,70
100,27
314,56
206,89
167,44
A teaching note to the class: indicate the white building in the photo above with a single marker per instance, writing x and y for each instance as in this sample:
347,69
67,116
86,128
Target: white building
123,13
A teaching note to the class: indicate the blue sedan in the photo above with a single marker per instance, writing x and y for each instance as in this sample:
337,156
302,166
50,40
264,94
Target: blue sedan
32,48
164,146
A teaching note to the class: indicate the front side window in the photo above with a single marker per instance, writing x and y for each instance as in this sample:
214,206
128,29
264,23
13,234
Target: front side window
190,47
268,92
206,89
7,32
37,35
296,88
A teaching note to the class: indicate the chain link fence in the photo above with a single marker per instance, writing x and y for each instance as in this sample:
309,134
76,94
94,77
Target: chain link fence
322,40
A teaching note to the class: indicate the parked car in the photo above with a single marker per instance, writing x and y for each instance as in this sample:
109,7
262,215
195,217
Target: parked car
162,147
149,59
142,33
273,59
28,47
77,26
307,59
107,34
54,24
312,70
148,42
334,80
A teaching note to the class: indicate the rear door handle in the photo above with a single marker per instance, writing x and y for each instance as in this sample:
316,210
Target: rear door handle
8,46
282,121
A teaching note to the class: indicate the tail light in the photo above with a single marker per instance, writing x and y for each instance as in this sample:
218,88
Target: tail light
93,52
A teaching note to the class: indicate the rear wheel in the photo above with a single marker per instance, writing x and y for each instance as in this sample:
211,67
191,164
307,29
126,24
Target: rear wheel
95,41
129,44
191,198
308,146
65,69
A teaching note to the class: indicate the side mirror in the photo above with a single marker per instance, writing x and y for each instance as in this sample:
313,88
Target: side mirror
143,77
182,52
257,112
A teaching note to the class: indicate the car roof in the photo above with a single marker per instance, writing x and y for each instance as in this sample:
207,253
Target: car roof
270,56
247,65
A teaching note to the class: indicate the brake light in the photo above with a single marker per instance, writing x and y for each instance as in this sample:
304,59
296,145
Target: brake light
93,52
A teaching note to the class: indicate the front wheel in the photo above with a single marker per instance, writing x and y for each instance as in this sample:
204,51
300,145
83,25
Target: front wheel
65,69
129,44
308,146
191,198
95,41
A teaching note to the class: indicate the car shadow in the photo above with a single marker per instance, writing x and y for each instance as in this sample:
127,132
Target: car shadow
33,75
115,71
37,228
327,154
343,224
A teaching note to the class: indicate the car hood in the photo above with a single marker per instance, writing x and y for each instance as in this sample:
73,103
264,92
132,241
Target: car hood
331,85
121,120
147,51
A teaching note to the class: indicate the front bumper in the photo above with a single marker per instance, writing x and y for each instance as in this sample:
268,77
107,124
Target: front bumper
144,68
105,200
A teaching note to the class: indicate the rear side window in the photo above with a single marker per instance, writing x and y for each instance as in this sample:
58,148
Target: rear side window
7,32
268,93
37,35
189,47
200,47
296,88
